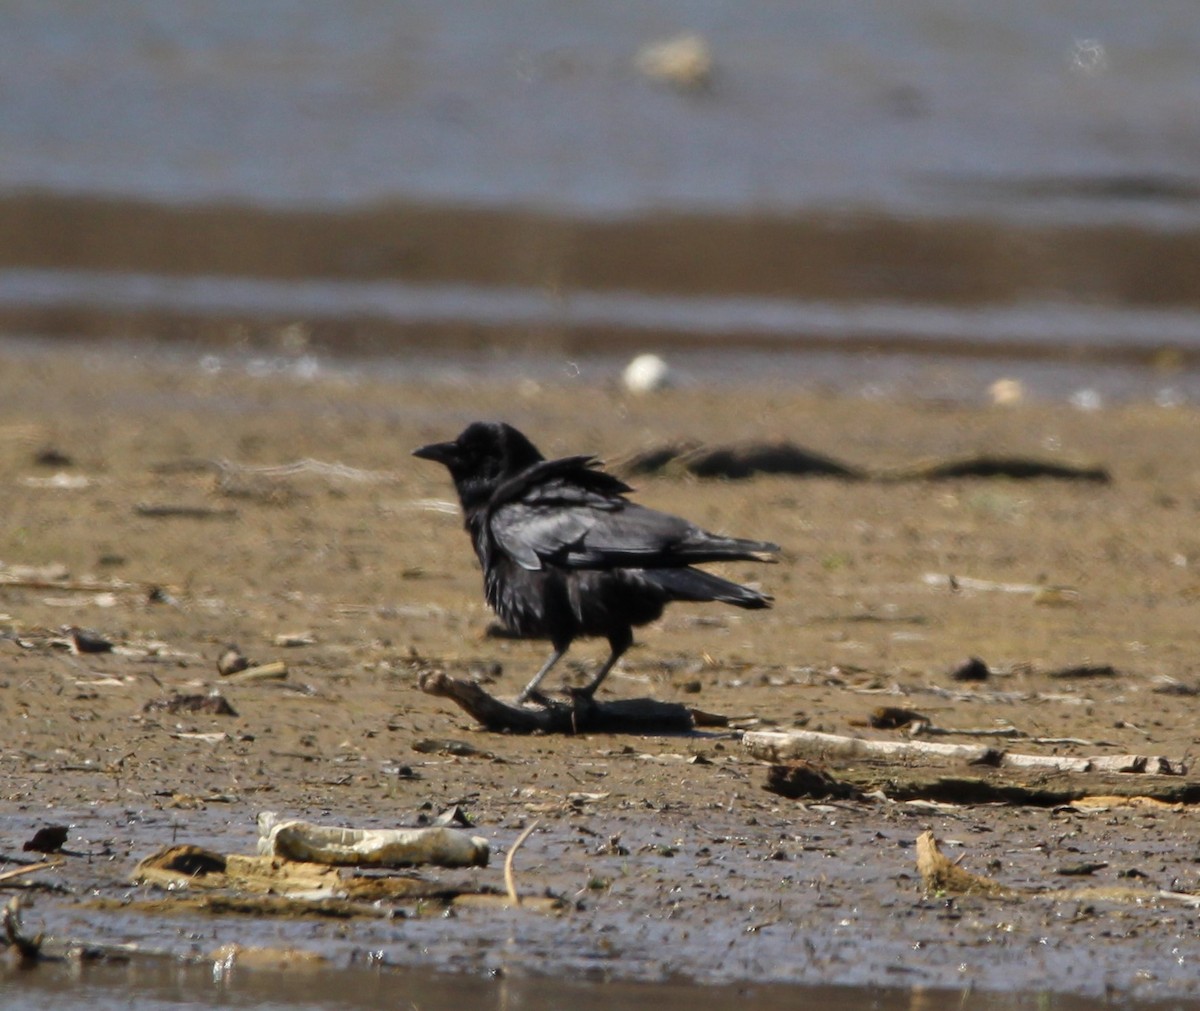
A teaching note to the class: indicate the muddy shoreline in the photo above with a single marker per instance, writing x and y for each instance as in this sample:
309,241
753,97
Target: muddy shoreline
396,278
847,256
149,499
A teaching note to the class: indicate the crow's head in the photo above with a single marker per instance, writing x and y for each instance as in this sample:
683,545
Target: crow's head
484,455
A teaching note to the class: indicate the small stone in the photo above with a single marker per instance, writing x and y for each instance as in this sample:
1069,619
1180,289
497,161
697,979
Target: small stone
971,669
646,374
87,641
231,661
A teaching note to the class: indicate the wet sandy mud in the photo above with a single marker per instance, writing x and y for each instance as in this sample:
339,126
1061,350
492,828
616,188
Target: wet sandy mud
170,513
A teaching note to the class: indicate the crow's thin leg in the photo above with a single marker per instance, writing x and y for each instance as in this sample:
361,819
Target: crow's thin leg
530,690
619,642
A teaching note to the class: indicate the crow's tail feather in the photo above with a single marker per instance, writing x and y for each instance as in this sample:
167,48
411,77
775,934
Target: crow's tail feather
706,547
697,585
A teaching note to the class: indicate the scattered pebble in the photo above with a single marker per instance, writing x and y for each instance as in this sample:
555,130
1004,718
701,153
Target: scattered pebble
646,374
214,704
276,670
293,639
684,61
87,641
1087,400
1006,392
49,456
971,669
894,717
231,661
1081,869
1056,596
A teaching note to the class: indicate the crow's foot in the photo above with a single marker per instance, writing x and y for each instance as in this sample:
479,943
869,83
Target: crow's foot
535,696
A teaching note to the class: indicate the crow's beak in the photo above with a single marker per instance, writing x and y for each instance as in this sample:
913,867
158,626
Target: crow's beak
439,452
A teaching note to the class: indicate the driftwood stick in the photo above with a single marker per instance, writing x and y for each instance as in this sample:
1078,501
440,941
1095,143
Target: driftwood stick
777,746
71,585
780,746
168,510
932,730
29,948
578,715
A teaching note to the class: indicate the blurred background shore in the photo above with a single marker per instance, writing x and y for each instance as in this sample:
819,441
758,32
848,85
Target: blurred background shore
919,197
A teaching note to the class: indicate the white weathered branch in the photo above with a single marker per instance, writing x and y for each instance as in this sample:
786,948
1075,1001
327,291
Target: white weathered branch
782,746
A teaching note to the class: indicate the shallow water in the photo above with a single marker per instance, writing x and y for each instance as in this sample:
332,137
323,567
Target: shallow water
913,178
162,984
726,917
914,106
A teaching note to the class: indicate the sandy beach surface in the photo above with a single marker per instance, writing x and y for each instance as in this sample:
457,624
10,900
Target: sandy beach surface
152,503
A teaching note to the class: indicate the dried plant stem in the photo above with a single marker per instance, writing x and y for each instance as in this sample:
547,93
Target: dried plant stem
509,881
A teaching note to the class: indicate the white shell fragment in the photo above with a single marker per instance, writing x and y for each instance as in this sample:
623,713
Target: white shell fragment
400,847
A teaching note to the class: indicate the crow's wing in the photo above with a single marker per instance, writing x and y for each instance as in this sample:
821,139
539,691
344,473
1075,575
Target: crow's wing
577,528
566,512
550,479
539,513
549,522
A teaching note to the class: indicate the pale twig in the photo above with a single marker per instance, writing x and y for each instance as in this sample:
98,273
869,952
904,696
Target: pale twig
1011,732
332,471
28,869
509,881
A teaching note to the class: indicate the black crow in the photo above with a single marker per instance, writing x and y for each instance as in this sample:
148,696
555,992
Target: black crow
565,553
